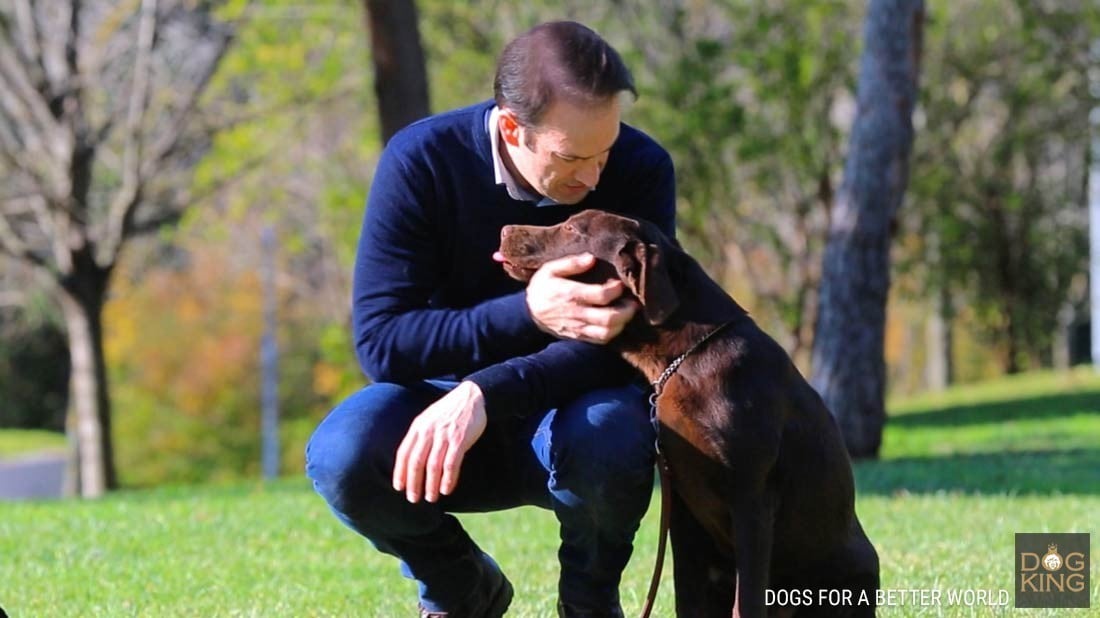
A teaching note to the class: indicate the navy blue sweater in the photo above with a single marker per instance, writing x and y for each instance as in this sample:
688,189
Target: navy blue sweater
428,299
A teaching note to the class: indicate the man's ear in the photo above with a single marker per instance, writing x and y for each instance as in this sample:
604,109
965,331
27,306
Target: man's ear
509,127
642,268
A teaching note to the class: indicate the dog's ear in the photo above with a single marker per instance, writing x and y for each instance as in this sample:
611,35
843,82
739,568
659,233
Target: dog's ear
642,268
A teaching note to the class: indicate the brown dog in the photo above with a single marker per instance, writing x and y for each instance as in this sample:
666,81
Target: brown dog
763,517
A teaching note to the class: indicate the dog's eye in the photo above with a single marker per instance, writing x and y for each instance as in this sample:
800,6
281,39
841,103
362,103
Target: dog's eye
569,227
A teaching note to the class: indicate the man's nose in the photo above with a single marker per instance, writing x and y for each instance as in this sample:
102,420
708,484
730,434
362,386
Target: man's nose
589,173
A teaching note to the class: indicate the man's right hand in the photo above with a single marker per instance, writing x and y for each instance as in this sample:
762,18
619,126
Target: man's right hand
568,309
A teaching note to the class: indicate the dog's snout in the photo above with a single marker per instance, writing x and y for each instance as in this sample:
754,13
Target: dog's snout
517,241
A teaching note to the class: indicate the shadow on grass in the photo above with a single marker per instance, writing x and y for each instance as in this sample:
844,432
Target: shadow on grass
1027,473
1044,407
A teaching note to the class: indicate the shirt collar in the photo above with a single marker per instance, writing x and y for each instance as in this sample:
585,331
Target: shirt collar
500,171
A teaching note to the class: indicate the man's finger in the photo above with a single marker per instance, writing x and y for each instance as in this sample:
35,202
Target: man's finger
598,294
434,469
400,463
604,326
414,475
612,316
452,465
569,265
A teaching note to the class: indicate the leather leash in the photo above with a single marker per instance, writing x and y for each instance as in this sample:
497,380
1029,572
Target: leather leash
663,469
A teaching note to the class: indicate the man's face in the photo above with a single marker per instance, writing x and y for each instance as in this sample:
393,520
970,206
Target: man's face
562,158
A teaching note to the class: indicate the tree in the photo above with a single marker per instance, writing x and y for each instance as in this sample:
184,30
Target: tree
848,362
749,99
400,76
999,171
99,133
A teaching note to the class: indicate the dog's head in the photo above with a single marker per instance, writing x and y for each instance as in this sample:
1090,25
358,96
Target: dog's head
634,251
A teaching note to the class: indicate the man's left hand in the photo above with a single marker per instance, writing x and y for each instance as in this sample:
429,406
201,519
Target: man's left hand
430,457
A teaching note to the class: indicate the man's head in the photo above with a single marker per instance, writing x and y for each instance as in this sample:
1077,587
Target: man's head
558,87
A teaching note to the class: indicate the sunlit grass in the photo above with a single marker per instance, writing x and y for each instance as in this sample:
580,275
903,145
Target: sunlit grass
21,441
959,477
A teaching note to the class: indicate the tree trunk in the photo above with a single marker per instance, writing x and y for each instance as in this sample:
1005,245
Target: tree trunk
400,75
938,367
90,413
1061,352
849,368
1012,341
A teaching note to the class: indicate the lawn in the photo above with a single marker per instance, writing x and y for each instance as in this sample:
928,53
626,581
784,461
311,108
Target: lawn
960,474
16,442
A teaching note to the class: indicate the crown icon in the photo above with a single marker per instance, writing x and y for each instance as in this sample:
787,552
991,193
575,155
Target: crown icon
1052,548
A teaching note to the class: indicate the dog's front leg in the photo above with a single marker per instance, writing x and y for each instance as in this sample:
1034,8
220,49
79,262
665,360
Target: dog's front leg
752,528
704,574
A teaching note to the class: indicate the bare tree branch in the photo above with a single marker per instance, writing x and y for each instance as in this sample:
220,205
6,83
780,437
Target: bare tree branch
127,199
28,38
12,245
20,98
167,144
11,147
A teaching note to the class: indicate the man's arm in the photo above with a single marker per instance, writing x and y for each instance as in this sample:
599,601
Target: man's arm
429,458
398,337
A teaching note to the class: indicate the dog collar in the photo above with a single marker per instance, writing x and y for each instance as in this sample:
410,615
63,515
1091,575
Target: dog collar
659,383
663,468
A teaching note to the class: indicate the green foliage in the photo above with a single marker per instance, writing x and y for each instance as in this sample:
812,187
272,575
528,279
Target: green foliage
300,75
744,95
275,549
461,43
997,185
183,332
34,371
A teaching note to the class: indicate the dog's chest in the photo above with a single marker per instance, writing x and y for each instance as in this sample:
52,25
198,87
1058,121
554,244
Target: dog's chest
701,474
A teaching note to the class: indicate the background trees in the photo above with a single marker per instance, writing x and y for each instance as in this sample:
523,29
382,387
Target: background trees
999,188
755,101
97,142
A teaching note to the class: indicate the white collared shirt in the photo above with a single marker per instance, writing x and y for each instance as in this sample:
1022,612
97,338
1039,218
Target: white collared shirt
500,171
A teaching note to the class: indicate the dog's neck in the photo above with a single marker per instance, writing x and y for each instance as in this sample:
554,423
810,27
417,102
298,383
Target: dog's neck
704,306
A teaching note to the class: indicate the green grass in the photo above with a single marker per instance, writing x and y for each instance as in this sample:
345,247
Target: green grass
961,473
15,442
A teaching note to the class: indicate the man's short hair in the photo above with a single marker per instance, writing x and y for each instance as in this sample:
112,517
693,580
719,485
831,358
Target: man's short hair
558,60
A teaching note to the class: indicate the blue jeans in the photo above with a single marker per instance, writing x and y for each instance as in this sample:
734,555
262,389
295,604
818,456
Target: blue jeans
591,461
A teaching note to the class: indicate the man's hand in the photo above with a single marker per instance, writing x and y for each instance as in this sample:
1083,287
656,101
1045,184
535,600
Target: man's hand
573,310
430,457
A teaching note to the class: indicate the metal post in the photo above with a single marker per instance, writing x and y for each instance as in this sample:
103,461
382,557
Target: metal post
269,360
1094,206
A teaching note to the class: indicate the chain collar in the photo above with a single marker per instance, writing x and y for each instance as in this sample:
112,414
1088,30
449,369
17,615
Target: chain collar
663,467
659,383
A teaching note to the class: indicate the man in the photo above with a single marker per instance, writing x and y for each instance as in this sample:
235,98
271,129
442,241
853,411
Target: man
486,395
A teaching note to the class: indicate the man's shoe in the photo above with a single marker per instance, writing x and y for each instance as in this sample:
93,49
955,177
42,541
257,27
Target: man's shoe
490,600
571,611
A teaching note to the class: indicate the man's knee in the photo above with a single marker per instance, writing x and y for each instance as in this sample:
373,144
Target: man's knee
351,452
606,437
